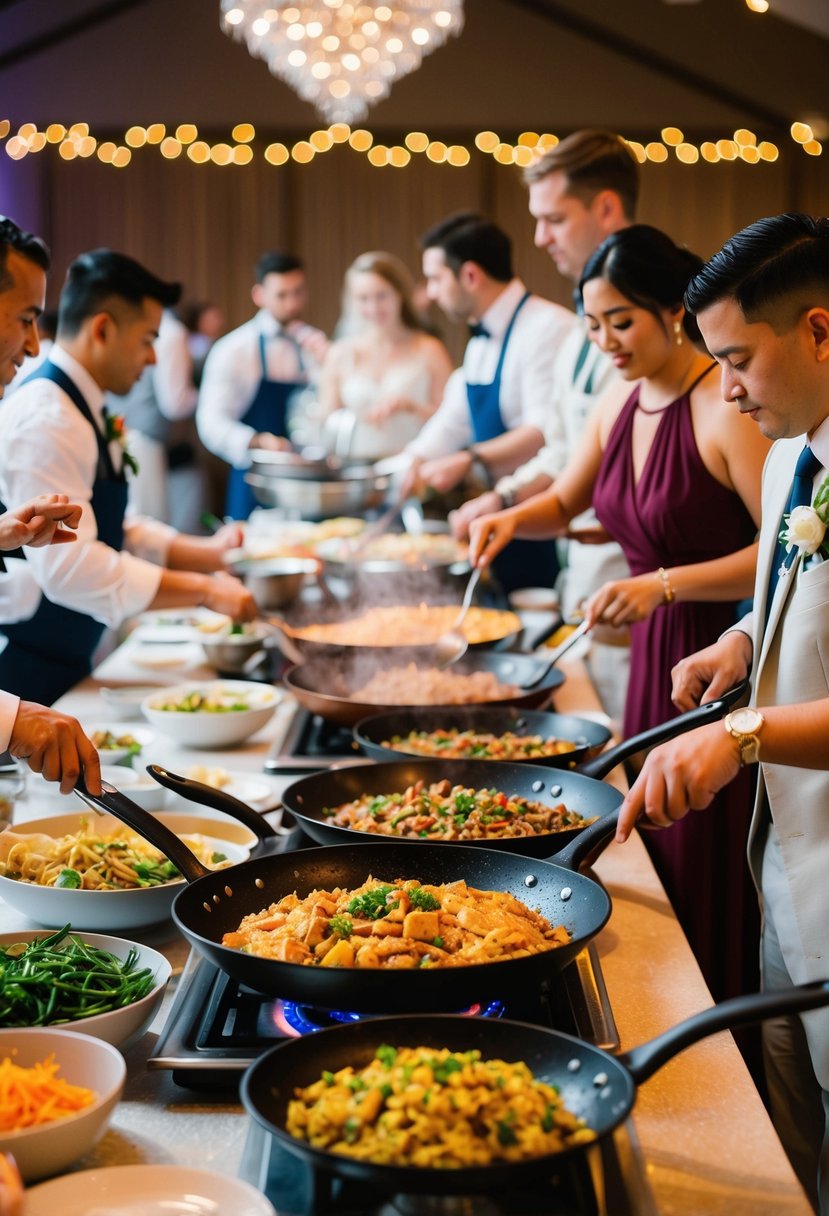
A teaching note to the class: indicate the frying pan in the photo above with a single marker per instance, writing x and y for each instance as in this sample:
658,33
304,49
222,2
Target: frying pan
307,798
215,902
484,719
596,1086
323,686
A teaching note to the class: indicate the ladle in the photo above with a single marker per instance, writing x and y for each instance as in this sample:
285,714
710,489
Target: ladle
453,644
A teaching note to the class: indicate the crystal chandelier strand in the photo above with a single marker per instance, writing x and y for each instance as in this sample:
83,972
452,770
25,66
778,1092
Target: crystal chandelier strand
342,55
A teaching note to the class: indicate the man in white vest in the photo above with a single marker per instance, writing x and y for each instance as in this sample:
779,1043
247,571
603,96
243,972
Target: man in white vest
762,304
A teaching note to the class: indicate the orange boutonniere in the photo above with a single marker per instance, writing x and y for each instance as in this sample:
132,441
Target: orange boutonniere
116,432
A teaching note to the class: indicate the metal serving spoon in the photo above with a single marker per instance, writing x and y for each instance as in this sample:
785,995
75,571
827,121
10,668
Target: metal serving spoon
454,644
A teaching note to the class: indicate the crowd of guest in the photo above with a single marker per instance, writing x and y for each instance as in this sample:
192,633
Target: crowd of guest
630,443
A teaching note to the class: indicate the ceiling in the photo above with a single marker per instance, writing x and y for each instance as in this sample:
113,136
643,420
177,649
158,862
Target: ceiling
706,66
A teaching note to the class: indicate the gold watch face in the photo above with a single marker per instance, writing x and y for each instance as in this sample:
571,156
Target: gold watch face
746,721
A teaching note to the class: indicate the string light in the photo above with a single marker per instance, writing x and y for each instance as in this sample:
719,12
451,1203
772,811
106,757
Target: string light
76,142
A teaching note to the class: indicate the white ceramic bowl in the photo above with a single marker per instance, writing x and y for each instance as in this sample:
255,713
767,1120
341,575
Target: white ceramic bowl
115,754
121,1027
82,1060
203,728
116,910
125,703
151,1190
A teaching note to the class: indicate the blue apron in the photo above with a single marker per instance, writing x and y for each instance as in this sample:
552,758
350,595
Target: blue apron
48,654
524,562
267,413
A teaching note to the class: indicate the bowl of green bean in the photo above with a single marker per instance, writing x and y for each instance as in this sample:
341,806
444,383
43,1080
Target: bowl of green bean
93,984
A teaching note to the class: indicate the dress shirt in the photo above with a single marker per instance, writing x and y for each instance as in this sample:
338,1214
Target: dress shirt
526,378
19,592
232,373
47,447
9,705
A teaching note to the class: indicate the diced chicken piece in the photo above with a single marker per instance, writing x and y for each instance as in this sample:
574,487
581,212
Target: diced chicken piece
316,930
474,922
403,962
367,956
387,928
422,926
369,1108
289,951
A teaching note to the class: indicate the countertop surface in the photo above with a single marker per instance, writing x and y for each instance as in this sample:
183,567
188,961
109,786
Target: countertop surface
707,1140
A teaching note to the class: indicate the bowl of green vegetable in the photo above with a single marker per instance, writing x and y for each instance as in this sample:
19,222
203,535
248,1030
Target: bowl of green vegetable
90,871
218,713
88,982
114,746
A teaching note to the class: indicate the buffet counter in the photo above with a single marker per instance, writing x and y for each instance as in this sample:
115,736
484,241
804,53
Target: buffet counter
700,1123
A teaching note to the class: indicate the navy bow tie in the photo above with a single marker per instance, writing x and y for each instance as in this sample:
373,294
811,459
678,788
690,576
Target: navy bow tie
479,331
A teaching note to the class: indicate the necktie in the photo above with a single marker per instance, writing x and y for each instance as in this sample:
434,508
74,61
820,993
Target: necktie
800,495
479,331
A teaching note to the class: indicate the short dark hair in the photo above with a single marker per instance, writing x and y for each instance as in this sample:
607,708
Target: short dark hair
647,268
13,237
764,264
593,161
96,277
468,237
274,262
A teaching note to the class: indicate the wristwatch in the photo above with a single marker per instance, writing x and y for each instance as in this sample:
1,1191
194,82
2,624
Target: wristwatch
744,725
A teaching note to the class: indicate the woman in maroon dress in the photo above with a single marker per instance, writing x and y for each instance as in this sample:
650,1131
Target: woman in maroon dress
673,472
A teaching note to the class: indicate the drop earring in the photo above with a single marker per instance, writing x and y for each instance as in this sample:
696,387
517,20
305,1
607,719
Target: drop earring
678,332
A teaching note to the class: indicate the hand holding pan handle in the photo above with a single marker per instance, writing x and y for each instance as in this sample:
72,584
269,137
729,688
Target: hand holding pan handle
590,840
206,795
740,1011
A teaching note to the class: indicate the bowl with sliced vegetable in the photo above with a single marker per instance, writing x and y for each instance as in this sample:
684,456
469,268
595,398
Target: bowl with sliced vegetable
114,745
104,986
90,871
59,1090
218,713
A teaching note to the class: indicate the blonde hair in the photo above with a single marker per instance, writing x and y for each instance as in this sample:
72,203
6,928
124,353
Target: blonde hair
395,273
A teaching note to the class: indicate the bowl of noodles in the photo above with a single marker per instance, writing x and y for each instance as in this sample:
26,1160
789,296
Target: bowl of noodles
91,871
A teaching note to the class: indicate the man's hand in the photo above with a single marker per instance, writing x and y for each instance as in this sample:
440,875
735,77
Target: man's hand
443,473
271,443
680,776
313,342
230,597
45,520
624,601
484,504
54,744
224,539
488,535
706,675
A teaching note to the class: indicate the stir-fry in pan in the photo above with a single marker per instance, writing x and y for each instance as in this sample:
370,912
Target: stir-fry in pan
412,625
456,744
434,1108
413,685
398,924
442,811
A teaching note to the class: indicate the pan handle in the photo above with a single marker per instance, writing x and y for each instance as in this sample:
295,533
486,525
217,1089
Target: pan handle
206,795
115,803
590,840
644,1061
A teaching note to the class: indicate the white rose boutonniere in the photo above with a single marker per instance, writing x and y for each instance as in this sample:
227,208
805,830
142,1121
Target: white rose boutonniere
806,526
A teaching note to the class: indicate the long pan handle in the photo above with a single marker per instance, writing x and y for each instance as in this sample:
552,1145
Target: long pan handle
206,795
644,1061
589,840
146,825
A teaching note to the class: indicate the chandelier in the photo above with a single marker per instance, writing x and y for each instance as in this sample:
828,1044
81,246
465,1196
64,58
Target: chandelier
342,55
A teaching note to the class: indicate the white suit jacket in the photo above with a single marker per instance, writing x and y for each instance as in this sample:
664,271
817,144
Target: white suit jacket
791,665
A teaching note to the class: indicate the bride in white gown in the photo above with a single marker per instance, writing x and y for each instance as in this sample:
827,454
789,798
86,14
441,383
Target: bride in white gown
387,374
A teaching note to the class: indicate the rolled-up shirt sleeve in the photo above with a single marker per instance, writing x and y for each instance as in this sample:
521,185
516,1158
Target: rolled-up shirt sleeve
450,428
9,705
19,592
231,377
49,448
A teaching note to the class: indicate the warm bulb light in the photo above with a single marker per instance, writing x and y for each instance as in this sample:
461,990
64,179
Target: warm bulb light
186,132
361,140
156,132
672,136
242,154
221,154
813,146
801,132
417,141
276,154
243,132
656,152
136,137
486,141
199,152
758,6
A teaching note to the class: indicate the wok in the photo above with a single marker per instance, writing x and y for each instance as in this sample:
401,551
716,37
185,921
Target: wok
323,688
587,735
595,1085
214,903
307,798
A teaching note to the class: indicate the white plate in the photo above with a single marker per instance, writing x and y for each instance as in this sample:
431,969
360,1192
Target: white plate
146,1190
186,653
255,791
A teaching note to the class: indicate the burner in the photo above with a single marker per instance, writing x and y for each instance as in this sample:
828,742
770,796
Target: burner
295,1020
311,743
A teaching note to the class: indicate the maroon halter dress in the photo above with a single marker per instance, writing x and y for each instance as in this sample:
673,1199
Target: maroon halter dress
677,514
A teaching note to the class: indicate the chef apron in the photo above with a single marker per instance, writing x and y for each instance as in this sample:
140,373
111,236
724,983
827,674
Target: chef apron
267,414
522,563
48,654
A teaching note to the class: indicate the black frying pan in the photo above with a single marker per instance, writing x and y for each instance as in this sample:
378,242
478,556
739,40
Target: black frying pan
596,1086
215,902
324,686
588,736
308,798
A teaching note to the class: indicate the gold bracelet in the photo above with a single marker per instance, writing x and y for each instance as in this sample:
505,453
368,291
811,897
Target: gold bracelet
668,593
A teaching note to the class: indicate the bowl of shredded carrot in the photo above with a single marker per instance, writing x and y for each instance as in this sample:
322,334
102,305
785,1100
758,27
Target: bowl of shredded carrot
57,1092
